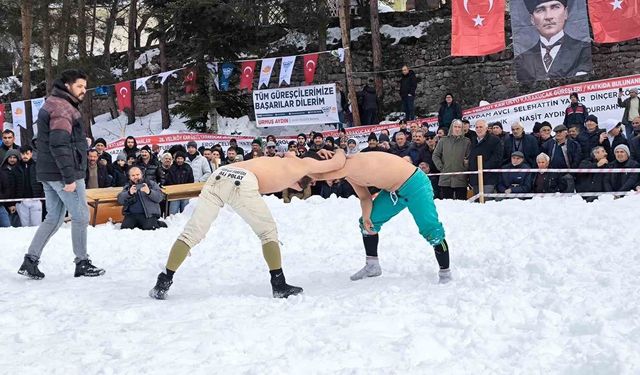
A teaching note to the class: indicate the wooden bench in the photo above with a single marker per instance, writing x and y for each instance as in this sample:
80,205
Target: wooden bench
107,199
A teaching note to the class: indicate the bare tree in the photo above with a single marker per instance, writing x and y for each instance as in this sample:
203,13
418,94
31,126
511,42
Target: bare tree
343,11
376,47
82,29
94,21
131,54
108,35
26,19
164,66
63,37
46,46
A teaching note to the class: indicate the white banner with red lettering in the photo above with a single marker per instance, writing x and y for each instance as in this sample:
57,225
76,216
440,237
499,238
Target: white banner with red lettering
600,97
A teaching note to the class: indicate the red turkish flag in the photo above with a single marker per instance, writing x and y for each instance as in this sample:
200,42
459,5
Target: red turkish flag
246,79
477,27
310,63
190,85
123,93
614,21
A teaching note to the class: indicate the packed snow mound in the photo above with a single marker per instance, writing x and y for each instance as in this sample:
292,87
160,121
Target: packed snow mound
540,286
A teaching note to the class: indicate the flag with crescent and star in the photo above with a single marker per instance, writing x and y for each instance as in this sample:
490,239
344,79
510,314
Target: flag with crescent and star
310,64
246,79
477,27
190,83
123,93
614,20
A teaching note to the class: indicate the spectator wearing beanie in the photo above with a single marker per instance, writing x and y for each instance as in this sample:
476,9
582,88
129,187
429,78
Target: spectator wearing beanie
373,144
595,135
498,131
622,182
545,133
256,149
179,173
120,168
100,145
576,112
148,165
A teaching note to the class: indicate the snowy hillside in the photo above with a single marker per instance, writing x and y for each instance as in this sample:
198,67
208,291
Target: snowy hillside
545,286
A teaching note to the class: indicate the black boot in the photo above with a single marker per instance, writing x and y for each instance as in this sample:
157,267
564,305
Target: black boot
162,287
29,268
85,268
280,287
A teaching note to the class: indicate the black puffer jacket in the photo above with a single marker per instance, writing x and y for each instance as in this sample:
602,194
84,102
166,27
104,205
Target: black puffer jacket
179,174
27,185
622,181
61,144
408,84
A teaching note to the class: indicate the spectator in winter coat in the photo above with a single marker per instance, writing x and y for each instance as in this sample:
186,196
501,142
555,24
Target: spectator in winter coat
515,182
61,167
593,182
131,147
208,154
231,156
546,182
373,144
149,166
631,107
544,133
595,136
302,140
166,161
141,202
8,169
576,112
27,186
408,85
449,156
369,105
634,142
519,141
466,129
97,175
401,147
120,169
256,147
563,151
581,137
8,142
418,148
615,137
490,148
352,147
179,173
199,165
498,131
622,181
233,142
100,145
449,110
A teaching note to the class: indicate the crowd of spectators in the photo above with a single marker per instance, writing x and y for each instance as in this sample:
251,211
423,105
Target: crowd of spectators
580,142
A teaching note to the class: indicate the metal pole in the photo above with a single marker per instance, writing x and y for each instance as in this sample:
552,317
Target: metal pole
480,179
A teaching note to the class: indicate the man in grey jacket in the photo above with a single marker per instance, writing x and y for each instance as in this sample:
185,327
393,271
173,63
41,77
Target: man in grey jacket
199,164
451,155
62,164
141,202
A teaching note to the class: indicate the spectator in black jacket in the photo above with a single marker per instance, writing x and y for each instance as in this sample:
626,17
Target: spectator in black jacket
623,182
576,112
373,144
498,131
27,186
544,133
549,182
519,141
595,136
490,148
408,85
401,148
8,168
141,202
615,137
8,142
179,173
449,110
97,175
233,142
466,129
131,147
563,151
369,104
577,134
100,145
515,182
149,166
119,169
593,182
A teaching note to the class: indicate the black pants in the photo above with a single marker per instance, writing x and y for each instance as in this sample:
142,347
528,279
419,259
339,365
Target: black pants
453,193
140,221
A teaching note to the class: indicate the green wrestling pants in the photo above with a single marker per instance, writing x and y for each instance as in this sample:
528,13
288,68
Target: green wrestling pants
416,194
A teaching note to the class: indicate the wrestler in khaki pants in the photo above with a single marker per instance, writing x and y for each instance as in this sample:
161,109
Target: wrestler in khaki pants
238,188
242,195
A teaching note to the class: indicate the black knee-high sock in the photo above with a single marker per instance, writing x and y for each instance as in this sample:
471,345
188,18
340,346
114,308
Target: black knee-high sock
371,244
442,254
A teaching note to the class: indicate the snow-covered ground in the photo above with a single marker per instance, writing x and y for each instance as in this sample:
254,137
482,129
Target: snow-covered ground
545,286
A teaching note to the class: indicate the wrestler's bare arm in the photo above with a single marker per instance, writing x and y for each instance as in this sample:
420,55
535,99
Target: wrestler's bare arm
313,167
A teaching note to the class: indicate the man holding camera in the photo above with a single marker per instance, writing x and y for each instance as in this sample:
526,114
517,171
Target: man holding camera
141,202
